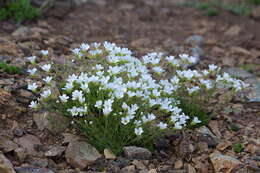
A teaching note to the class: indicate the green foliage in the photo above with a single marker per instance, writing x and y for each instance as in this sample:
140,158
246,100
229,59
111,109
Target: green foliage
255,2
212,12
238,147
20,10
10,69
202,5
213,7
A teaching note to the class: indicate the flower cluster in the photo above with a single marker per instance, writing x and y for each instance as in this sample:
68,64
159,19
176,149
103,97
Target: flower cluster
124,89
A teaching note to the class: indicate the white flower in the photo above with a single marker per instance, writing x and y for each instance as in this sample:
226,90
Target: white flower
47,79
46,93
31,59
99,104
76,51
158,70
78,95
125,120
33,104
84,46
213,68
139,131
177,125
151,117
68,86
32,71
162,125
108,106
44,52
64,98
32,87
46,67
196,120
193,89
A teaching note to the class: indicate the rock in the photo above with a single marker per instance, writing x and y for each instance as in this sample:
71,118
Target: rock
178,164
7,81
152,171
126,6
29,169
162,143
223,145
80,154
139,164
208,137
109,154
223,162
20,154
133,152
79,2
5,165
128,169
214,126
37,162
191,169
7,145
21,32
28,142
49,121
55,151
238,73
254,93
68,138
195,40
256,12
233,31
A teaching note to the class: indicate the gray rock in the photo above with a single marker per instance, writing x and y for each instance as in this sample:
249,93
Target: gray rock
128,169
256,12
49,121
221,162
20,154
208,137
28,142
22,31
7,81
80,154
133,152
5,165
7,145
55,151
195,40
254,91
29,169
37,162
238,73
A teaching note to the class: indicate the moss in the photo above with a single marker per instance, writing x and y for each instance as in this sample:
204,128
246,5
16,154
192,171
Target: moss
10,69
238,147
19,10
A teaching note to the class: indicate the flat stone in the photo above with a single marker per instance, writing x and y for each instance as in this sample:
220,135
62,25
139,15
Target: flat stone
29,169
223,162
55,151
28,142
256,12
80,154
109,154
208,137
5,165
238,73
254,93
49,121
133,152
7,145
233,31
22,31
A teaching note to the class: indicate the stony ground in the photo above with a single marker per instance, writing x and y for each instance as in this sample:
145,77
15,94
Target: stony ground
32,143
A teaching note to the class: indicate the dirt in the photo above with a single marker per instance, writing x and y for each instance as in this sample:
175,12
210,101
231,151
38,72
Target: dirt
144,28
